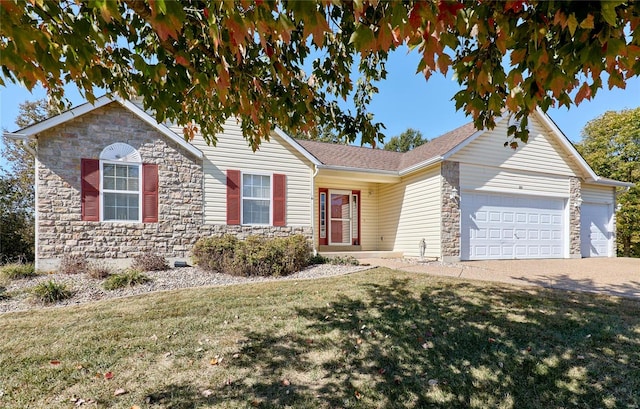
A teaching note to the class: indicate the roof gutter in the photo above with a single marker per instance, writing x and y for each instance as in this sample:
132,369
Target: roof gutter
421,165
402,172
361,170
21,138
610,182
17,136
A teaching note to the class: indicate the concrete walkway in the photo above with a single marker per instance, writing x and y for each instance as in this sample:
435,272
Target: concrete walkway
613,276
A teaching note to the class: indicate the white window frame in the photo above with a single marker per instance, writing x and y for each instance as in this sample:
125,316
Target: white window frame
251,173
129,192
121,154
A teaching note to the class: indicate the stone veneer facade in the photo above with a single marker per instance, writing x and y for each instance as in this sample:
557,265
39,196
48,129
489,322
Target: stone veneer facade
450,221
575,198
60,230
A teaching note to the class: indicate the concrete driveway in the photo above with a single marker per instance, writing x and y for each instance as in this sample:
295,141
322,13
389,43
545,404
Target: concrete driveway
614,276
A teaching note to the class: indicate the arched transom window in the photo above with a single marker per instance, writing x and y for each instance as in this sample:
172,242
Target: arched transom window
121,170
117,186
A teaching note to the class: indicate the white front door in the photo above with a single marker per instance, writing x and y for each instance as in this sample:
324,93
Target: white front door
500,226
340,217
596,232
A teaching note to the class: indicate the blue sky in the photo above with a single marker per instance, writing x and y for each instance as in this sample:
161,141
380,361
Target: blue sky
406,100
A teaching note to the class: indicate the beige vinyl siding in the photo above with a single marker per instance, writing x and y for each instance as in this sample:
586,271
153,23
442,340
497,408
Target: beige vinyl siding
275,156
410,211
492,179
542,153
368,207
597,194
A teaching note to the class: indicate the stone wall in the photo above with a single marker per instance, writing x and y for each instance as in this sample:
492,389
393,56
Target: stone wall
61,231
450,227
575,199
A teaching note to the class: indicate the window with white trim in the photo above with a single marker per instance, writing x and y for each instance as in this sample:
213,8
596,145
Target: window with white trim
121,187
256,199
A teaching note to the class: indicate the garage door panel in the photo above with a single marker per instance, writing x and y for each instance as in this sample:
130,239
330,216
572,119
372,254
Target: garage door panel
506,250
596,232
520,251
494,251
509,226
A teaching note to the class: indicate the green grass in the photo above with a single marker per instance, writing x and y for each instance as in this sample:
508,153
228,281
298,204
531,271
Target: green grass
378,338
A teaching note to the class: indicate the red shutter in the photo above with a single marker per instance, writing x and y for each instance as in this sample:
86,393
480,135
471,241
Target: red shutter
233,196
279,200
149,193
90,189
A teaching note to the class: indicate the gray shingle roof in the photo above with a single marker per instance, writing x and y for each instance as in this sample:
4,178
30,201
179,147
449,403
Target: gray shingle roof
377,159
438,147
352,156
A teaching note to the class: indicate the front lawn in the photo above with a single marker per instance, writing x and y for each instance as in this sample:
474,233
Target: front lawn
378,338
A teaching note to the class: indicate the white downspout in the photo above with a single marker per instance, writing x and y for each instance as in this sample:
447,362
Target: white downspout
25,144
314,172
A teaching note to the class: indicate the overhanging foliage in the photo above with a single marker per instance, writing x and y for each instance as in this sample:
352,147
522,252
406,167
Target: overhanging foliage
198,62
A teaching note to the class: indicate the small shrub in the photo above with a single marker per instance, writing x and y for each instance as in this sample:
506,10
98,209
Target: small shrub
128,278
50,292
15,271
318,259
98,271
337,260
215,253
73,264
255,256
343,261
150,262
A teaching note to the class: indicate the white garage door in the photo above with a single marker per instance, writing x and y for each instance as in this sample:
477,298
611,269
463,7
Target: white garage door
507,226
595,230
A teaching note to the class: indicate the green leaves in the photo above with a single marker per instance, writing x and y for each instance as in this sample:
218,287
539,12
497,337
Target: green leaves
609,11
406,141
362,38
202,62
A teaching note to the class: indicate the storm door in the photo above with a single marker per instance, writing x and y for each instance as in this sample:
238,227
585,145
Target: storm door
340,217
